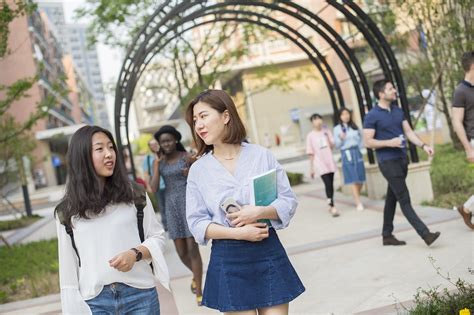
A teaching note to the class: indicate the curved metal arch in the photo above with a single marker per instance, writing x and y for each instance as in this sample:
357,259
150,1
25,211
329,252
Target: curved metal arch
383,52
130,71
333,45
349,51
340,54
260,17
314,60
395,68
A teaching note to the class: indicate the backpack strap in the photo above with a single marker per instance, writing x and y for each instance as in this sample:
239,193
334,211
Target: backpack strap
60,213
140,216
70,232
149,165
140,202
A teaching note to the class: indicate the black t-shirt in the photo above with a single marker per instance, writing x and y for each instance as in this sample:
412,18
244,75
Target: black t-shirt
464,97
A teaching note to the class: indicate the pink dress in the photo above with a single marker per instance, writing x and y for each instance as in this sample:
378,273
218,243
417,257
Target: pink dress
318,144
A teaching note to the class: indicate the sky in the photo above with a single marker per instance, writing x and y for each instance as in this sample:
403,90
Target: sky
110,61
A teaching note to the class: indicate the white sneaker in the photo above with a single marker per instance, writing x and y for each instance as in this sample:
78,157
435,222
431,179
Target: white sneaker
360,207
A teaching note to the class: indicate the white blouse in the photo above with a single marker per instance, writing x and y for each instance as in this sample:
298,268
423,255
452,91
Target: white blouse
98,240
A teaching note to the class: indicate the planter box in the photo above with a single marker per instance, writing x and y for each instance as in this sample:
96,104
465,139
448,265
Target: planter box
418,182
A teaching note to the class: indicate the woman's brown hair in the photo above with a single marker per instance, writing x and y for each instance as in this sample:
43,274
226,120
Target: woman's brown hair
220,101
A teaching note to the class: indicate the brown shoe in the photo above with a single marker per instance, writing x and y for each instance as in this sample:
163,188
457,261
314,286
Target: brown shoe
431,237
466,216
391,240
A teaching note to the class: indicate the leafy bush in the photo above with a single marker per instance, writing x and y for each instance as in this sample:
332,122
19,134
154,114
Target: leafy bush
452,177
295,178
435,301
28,270
18,223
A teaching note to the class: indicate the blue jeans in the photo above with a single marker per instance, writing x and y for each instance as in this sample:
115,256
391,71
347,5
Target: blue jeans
119,298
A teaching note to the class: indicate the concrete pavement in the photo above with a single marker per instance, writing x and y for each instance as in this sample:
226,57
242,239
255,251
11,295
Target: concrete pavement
341,261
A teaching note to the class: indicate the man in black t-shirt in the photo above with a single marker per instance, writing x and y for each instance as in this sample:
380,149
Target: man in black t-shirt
463,121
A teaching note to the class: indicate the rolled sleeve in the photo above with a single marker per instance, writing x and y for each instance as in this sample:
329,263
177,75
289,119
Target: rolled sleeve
155,243
197,214
459,99
286,203
369,121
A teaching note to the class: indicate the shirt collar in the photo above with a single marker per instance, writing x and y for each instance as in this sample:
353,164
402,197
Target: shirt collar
467,83
383,109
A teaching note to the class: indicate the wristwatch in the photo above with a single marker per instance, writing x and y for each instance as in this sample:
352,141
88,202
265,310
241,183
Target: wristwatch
138,254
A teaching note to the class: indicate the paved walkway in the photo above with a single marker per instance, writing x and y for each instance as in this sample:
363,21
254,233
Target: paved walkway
341,261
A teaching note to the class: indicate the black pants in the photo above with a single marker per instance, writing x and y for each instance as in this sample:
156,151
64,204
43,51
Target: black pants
395,172
328,180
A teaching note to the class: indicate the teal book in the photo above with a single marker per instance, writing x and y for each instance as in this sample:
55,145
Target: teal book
264,190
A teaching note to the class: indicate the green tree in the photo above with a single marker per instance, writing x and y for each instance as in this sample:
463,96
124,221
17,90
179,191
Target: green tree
16,141
443,30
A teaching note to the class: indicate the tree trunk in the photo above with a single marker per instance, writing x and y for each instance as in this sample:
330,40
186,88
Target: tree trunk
24,186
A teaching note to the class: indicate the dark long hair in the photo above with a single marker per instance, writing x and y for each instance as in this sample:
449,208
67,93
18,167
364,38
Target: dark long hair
220,101
351,123
84,193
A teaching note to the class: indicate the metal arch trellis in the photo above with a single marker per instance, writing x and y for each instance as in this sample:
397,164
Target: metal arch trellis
173,14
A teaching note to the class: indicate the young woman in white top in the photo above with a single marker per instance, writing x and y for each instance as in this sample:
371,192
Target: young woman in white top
103,265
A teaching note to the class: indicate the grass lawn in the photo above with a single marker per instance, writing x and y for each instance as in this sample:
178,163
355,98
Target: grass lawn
28,271
18,223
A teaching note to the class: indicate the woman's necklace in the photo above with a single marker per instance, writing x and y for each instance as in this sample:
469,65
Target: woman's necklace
229,158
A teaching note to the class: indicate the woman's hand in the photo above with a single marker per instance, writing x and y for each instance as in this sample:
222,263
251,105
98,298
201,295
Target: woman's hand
247,215
156,162
254,232
124,261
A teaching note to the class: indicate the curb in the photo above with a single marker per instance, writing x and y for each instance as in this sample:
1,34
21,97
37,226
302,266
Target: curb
23,233
43,300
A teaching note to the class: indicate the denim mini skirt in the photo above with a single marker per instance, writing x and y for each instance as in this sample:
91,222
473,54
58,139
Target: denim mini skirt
246,275
353,167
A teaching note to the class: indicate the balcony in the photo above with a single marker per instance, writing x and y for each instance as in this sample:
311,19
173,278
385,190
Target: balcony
61,115
44,82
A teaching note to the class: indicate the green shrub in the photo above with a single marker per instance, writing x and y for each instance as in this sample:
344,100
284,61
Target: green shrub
435,301
295,178
452,177
28,270
26,260
18,223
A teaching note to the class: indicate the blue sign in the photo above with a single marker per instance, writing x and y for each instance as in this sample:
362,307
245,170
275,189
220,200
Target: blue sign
56,161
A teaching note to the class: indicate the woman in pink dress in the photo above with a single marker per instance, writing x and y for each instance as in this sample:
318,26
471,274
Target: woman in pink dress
319,144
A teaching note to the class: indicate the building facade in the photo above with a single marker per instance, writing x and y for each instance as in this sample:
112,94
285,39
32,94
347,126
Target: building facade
73,39
37,51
